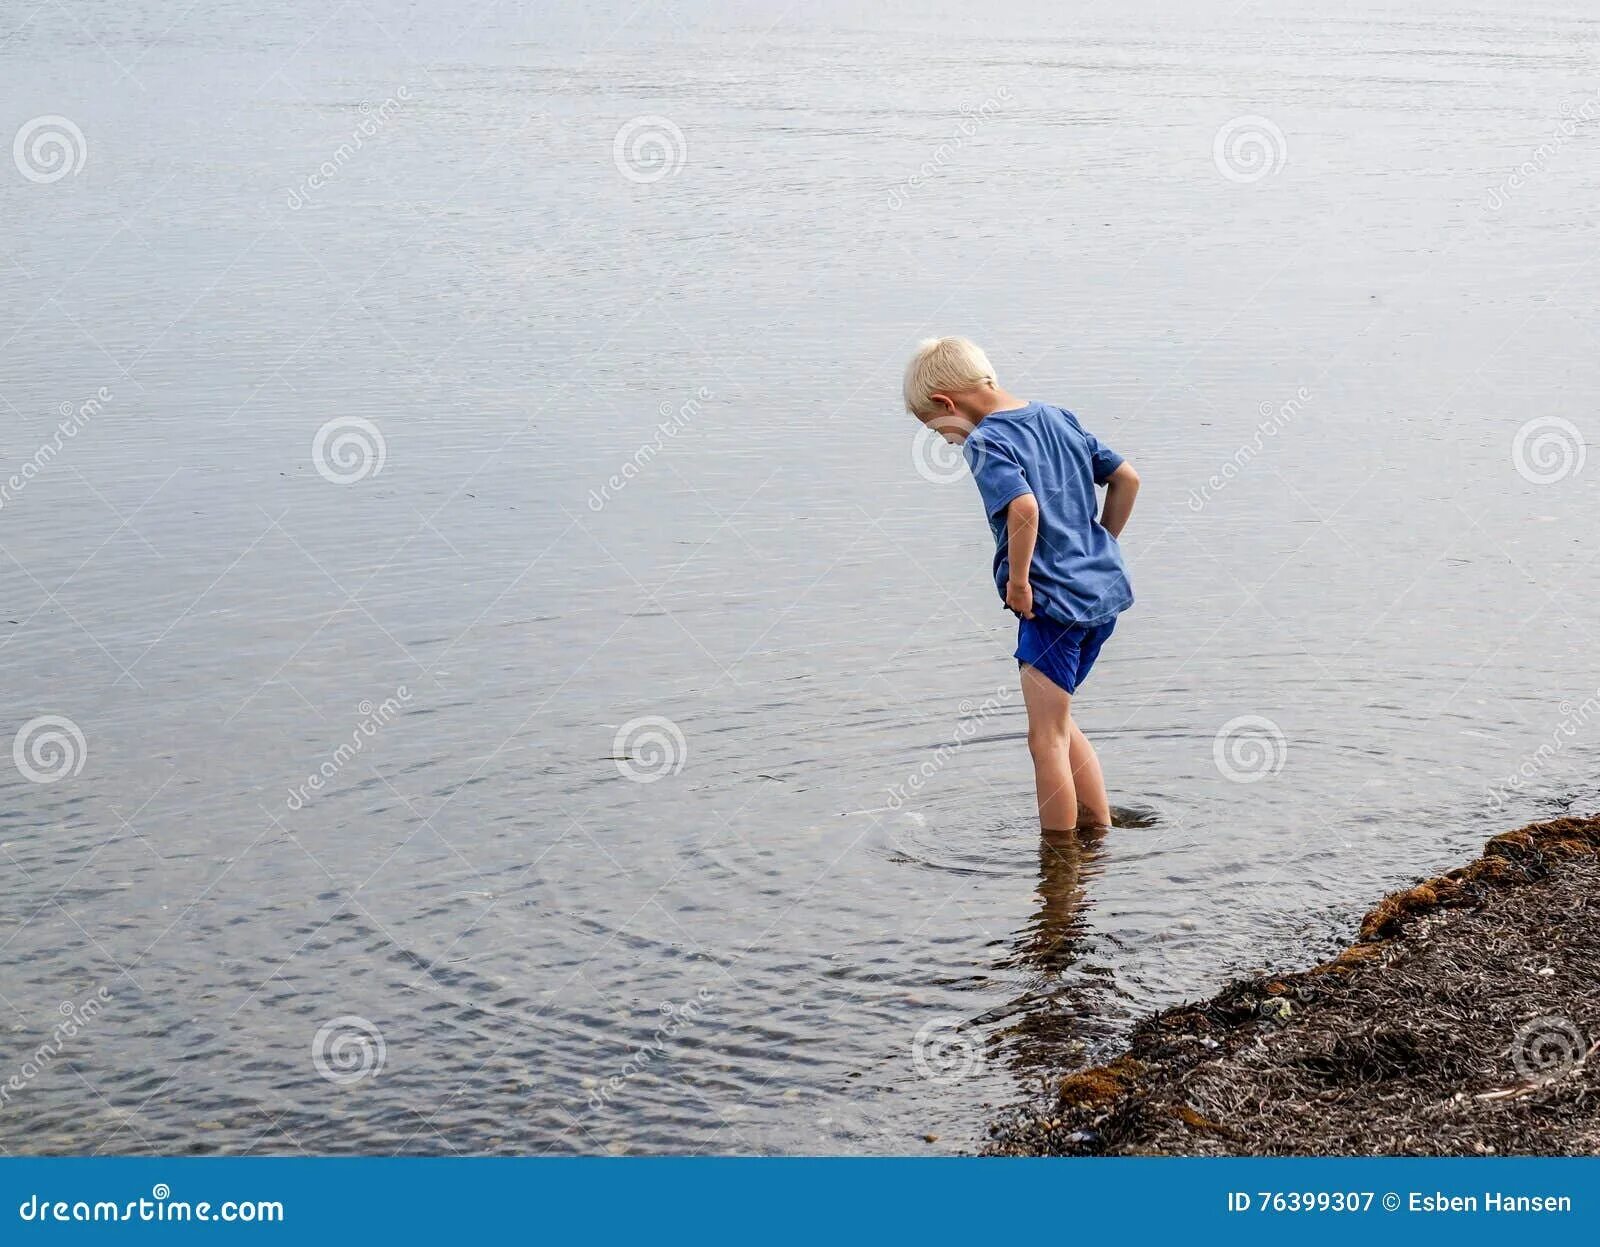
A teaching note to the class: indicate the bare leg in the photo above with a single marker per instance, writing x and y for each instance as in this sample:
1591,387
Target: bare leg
1094,807
1050,743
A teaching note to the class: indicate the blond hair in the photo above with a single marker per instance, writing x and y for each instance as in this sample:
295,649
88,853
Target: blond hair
944,366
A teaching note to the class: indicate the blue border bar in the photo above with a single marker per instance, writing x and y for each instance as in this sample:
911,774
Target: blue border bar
757,1201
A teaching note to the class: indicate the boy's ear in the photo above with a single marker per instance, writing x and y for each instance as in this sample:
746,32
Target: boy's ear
946,404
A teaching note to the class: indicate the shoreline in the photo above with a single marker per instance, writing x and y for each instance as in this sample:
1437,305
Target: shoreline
1463,1020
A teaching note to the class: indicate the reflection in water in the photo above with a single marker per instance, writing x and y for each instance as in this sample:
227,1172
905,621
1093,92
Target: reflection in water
1063,1012
1050,940
1051,1018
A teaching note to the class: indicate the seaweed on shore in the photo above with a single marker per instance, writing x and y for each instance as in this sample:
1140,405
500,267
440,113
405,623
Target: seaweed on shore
1465,1020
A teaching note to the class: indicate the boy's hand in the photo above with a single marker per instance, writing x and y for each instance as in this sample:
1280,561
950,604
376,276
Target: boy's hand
1019,597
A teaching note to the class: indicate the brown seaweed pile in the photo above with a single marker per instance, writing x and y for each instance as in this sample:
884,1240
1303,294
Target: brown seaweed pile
1465,1020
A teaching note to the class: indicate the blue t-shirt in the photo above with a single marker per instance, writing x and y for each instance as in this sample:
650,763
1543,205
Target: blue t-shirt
1077,574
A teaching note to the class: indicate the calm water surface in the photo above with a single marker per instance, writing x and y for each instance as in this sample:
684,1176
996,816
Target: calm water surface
478,931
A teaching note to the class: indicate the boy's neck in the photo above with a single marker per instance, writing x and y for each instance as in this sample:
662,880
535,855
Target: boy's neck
996,400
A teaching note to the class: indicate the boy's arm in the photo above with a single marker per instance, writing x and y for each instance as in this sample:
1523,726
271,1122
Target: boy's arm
1121,489
1022,531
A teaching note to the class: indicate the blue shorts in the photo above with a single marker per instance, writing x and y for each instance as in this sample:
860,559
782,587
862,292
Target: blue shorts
1061,652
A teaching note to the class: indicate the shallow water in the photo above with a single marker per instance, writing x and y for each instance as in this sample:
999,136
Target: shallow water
765,948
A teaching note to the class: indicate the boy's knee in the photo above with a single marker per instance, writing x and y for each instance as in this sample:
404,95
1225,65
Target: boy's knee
1049,740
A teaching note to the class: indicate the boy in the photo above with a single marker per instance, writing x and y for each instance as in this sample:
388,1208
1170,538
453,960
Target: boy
1056,565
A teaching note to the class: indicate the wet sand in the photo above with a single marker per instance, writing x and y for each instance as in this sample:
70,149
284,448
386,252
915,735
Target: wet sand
1463,1021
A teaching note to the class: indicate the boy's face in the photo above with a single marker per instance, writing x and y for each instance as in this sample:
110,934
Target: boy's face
948,419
